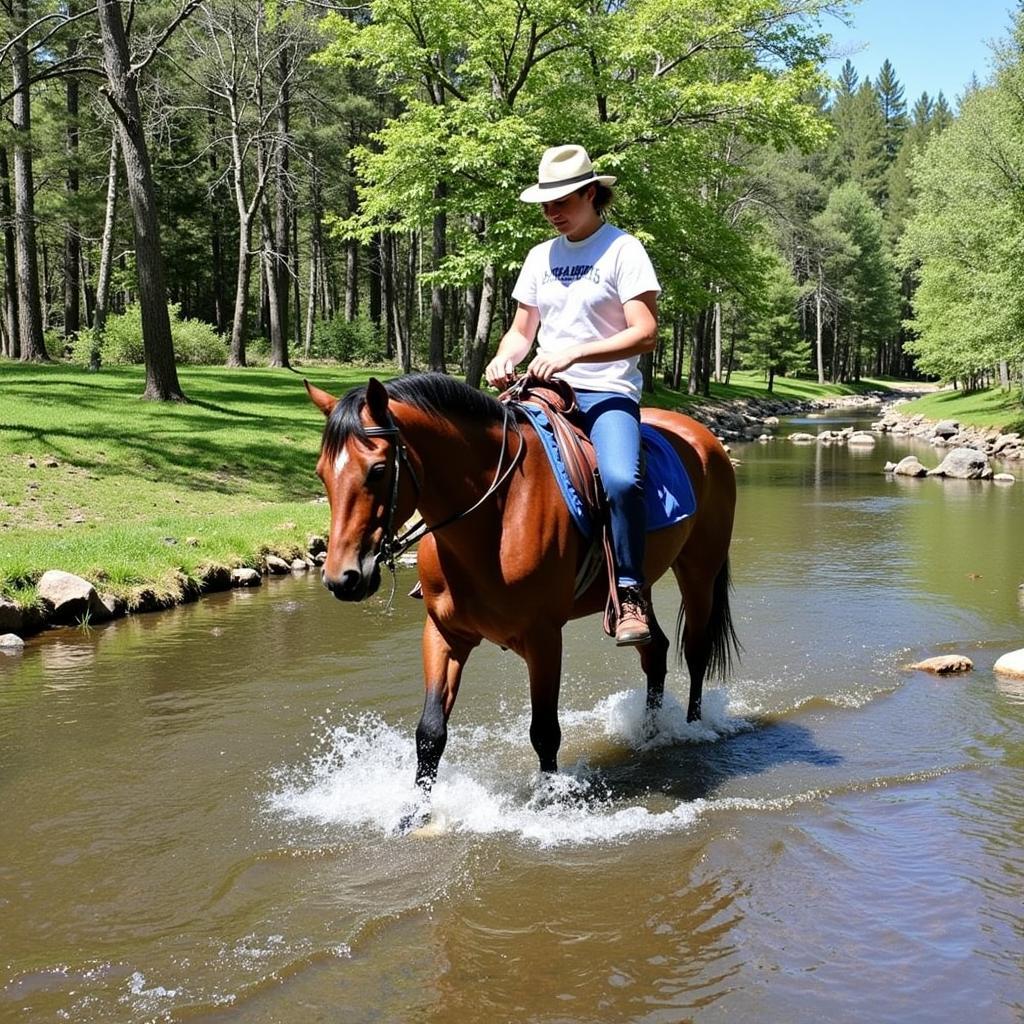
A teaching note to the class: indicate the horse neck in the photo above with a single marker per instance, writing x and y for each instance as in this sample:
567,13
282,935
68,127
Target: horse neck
455,459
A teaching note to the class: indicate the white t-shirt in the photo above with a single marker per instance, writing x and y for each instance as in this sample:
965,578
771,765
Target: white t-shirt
580,288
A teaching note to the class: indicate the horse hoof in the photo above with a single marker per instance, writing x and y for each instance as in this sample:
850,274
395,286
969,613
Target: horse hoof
413,822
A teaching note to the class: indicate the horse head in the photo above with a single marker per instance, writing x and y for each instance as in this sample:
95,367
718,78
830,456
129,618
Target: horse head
360,464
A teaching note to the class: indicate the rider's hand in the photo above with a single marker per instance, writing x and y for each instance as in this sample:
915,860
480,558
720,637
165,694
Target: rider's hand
546,364
500,373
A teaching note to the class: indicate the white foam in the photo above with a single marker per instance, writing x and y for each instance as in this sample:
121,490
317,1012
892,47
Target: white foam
363,776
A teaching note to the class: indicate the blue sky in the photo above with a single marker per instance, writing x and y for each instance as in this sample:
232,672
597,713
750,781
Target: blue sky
933,44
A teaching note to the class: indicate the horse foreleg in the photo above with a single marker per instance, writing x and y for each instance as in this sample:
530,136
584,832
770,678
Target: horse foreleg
443,660
543,655
654,659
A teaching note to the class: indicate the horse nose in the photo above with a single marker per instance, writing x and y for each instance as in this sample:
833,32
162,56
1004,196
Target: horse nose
344,587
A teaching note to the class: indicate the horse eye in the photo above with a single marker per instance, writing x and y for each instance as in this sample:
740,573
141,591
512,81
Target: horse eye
376,471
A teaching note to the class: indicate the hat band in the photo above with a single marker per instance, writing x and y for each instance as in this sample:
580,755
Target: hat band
588,176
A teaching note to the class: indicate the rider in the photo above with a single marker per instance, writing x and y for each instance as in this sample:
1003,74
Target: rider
593,292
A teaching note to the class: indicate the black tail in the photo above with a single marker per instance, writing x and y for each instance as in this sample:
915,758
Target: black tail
723,645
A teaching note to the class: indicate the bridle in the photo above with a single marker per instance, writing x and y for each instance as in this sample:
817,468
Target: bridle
394,544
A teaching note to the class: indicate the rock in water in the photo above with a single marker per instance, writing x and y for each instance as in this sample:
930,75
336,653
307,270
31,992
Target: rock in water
944,664
1011,664
11,642
910,466
962,464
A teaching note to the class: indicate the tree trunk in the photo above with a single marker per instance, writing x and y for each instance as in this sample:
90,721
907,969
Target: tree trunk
72,234
272,283
217,243
387,289
122,92
351,280
718,342
819,339
311,299
477,356
282,210
13,341
437,290
239,322
30,314
374,271
107,245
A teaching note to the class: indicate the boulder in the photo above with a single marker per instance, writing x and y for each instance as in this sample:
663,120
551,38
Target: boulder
299,565
216,577
944,664
962,464
1004,478
11,616
11,642
802,438
245,577
946,428
69,599
277,566
113,605
861,437
1011,664
315,544
771,421
910,466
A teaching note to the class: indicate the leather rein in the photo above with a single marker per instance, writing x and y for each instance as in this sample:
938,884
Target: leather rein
394,544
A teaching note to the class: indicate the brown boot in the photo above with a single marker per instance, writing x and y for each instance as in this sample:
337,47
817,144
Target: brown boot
632,630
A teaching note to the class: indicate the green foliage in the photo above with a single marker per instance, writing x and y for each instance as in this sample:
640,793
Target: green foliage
196,343
360,341
965,242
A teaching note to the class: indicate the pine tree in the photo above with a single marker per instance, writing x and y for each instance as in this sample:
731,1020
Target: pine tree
894,109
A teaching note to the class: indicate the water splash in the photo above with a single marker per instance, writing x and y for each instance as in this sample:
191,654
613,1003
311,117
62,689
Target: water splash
362,776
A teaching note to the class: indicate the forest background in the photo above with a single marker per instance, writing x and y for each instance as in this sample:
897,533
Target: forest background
229,181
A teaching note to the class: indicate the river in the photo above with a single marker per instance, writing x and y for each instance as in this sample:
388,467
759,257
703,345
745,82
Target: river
197,807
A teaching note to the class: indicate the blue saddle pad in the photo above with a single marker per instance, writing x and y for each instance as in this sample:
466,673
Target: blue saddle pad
668,493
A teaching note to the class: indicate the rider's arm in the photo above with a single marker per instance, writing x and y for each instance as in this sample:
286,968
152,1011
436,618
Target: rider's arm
640,335
514,346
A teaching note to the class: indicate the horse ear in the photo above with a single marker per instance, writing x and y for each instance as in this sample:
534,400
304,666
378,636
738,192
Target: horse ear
377,400
323,401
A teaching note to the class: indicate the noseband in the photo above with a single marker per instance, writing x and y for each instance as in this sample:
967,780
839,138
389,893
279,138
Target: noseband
394,544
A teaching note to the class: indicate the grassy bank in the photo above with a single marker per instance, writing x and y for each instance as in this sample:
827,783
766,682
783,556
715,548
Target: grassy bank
994,409
138,496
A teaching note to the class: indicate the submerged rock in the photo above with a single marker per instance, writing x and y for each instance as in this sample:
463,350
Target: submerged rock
944,664
1011,664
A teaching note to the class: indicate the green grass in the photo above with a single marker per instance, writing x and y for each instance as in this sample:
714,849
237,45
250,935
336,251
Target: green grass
144,495
995,409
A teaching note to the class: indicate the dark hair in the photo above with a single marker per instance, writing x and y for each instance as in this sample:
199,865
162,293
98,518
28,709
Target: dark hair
603,195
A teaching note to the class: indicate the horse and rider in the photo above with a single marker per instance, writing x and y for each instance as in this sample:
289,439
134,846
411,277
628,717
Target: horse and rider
499,553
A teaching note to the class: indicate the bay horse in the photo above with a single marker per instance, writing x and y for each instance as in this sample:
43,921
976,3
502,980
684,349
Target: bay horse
500,561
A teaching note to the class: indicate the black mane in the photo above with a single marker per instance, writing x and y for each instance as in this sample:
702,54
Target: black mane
434,393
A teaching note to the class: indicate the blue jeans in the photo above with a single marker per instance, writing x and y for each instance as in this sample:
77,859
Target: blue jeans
612,422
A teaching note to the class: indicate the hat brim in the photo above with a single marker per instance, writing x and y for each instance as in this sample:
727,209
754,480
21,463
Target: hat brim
536,194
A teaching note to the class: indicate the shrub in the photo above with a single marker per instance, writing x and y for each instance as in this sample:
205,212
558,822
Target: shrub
195,341
360,341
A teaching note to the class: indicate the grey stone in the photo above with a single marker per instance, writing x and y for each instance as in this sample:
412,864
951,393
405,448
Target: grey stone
245,577
320,557
277,566
113,605
803,438
299,565
909,466
1004,478
962,464
11,642
11,616
1011,664
315,544
862,437
946,428
69,599
945,664
889,467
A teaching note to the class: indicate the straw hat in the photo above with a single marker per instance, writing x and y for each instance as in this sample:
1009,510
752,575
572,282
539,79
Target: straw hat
562,170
